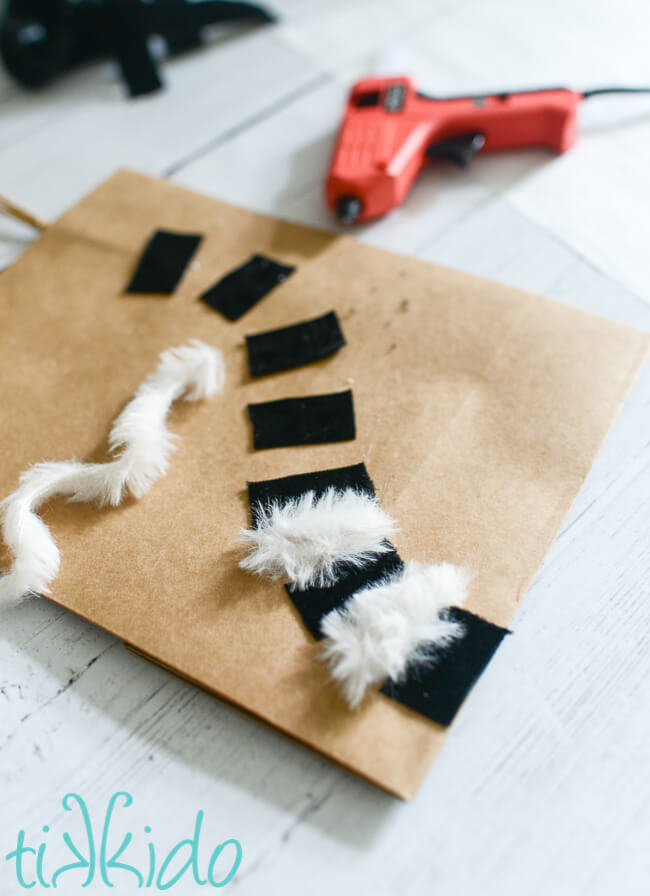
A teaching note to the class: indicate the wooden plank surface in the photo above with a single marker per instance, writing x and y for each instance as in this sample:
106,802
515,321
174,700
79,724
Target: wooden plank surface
543,784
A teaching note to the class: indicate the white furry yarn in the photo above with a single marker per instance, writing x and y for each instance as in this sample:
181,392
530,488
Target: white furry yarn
143,445
386,627
304,539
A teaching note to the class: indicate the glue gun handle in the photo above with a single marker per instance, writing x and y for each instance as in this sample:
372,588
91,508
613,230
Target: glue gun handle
539,118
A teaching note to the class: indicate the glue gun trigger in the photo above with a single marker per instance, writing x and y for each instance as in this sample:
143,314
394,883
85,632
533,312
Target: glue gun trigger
460,149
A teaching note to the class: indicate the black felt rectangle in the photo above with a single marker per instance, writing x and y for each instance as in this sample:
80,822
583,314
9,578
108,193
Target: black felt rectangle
438,689
288,347
310,420
285,488
238,291
315,603
163,262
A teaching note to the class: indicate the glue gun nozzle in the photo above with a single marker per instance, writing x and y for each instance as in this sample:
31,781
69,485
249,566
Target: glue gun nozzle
348,209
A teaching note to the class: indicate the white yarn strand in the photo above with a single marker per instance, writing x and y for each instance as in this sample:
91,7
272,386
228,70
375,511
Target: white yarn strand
143,446
304,539
387,627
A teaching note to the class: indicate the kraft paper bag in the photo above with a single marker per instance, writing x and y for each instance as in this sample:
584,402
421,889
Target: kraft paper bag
479,410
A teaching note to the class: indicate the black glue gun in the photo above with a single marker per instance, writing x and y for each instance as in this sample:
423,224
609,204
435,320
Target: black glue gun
41,39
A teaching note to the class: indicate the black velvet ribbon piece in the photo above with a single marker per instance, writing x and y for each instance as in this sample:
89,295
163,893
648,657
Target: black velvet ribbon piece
310,420
437,689
238,291
286,488
293,346
163,262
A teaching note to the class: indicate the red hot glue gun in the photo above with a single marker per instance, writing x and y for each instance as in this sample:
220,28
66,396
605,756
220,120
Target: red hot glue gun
390,131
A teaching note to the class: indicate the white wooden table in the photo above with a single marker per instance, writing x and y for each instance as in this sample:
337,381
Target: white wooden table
544,783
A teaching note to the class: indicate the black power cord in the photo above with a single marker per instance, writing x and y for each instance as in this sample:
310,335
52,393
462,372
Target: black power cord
600,91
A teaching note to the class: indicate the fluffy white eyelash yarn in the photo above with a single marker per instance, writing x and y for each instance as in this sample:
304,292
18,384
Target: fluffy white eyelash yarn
385,628
143,446
302,540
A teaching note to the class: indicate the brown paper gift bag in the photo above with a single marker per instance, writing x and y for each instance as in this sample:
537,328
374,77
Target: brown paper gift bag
479,411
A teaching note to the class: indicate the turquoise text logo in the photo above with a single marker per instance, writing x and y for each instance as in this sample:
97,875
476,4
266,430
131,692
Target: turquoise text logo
96,859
